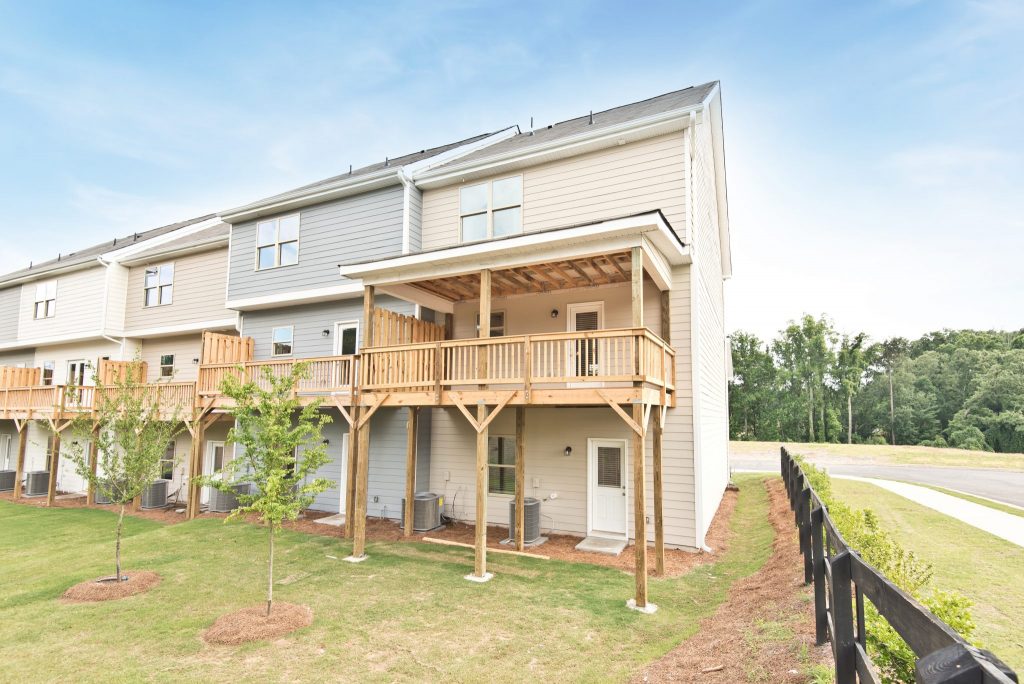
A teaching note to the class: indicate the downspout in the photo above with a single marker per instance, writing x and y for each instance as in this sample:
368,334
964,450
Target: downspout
407,187
103,317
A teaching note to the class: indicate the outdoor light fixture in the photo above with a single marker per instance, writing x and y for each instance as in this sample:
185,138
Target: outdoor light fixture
325,332
195,361
326,441
554,313
568,451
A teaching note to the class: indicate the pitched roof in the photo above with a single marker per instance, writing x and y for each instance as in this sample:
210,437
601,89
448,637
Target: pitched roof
679,99
215,234
87,254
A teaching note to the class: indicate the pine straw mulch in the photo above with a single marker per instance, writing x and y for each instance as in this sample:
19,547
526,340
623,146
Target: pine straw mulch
91,591
253,624
764,631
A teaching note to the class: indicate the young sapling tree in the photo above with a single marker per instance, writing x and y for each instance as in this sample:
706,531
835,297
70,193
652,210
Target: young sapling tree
131,432
271,428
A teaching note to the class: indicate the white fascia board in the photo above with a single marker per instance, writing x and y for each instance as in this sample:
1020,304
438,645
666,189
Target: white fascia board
51,341
650,126
53,273
341,188
183,250
322,294
587,240
418,296
656,265
119,254
425,165
714,107
182,329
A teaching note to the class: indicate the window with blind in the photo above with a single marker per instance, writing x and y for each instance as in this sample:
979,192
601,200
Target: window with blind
167,463
501,465
609,467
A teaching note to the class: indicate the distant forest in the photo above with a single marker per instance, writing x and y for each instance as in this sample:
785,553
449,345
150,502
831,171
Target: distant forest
957,388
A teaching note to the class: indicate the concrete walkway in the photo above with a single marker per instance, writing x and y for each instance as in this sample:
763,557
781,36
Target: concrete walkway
1003,525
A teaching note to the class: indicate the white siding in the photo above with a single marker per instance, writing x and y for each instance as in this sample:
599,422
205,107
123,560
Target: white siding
628,179
185,348
199,282
79,306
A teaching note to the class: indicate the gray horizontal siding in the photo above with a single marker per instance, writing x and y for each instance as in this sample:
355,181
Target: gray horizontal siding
10,301
335,433
415,219
353,229
310,320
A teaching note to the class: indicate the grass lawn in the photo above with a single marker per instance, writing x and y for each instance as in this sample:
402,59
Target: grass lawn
988,570
405,614
889,455
998,505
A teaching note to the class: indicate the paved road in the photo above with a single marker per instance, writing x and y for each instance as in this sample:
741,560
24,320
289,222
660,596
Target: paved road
1002,485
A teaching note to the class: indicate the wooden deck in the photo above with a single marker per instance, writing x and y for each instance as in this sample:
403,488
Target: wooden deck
66,402
585,368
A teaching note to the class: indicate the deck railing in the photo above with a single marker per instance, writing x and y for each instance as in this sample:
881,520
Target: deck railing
522,361
330,374
68,400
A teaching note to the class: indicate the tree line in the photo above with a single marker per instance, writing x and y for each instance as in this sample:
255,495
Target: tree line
957,388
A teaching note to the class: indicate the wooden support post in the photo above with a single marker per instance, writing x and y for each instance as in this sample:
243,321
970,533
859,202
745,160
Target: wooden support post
480,566
51,490
94,448
196,468
666,316
638,287
659,499
20,467
639,509
368,293
485,324
520,476
362,483
350,472
410,469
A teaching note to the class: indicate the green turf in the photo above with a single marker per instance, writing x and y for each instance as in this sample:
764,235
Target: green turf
883,454
985,568
406,614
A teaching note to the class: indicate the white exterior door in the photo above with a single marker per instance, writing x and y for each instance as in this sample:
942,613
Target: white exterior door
346,338
68,479
607,488
214,462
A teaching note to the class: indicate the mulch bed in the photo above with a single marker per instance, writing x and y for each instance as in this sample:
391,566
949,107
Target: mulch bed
764,627
253,624
138,582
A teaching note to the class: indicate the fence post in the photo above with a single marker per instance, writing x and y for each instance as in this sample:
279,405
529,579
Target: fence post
805,532
842,618
961,663
818,563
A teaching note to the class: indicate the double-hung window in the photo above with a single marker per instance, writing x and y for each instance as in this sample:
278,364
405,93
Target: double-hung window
159,285
47,374
281,341
501,465
46,300
167,462
166,365
492,209
277,242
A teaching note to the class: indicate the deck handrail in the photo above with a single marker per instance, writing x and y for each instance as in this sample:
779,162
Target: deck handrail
327,373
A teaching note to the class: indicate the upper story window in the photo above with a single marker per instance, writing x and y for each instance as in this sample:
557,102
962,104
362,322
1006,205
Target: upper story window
46,300
281,341
47,374
159,285
277,242
492,209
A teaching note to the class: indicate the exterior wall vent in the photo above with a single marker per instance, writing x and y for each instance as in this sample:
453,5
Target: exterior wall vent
7,480
225,502
426,511
37,482
531,519
155,495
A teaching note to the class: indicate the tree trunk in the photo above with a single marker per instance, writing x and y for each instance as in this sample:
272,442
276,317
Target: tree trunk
117,544
821,414
892,412
810,412
849,417
270,571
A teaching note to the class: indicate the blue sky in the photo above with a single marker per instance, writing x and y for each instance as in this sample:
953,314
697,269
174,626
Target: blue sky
875,151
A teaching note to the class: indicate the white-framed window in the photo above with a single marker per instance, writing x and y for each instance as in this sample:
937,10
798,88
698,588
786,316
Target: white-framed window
491,209
46,300
497,324
159,285
281,341
166,365
167,462
5,451
346,339
277,242
501,465
47,374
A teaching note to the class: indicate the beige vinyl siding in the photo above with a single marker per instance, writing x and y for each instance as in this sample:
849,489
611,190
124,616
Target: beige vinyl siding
627,179
87,351
678,433
117,281
531,314
10,302
79,306
185,348
199,289
708,297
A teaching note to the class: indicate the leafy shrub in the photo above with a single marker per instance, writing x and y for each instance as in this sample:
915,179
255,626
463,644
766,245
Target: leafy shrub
937,441
862,531
967,437
876,439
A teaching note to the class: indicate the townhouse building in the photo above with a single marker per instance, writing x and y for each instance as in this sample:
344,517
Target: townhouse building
523,318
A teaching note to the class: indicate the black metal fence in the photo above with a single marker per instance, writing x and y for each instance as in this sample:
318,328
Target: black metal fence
842,580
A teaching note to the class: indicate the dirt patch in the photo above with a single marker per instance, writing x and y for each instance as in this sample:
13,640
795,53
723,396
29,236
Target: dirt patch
138,582
764,632
253,624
